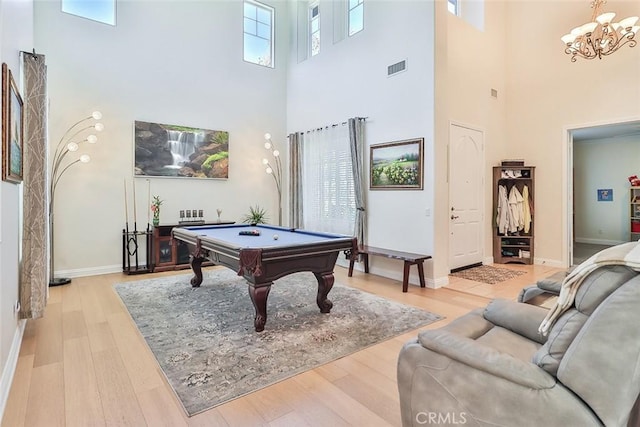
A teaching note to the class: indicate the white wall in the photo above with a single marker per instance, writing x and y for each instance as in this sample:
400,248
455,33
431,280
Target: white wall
174,62
602,164
349,79
16,34
132,74
475,64
548,94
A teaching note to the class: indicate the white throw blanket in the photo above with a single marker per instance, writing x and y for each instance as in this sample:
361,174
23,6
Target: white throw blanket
627,254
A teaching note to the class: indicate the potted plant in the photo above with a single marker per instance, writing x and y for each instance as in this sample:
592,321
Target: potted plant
256,215
155,208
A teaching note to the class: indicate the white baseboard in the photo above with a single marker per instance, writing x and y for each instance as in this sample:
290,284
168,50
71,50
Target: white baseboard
91,271
437,283
550,262
10,367
598,241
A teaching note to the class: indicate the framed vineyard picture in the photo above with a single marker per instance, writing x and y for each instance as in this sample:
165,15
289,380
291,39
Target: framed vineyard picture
397,165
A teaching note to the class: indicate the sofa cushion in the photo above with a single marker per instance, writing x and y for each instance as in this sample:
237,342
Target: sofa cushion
554,282
602,365
523,319
596,287
472,325
511,343
562,334
599,285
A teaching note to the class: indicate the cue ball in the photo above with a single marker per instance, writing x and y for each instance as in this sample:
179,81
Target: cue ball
275,237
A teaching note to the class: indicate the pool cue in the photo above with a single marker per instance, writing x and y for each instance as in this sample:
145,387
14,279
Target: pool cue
126,218
148,204
135,220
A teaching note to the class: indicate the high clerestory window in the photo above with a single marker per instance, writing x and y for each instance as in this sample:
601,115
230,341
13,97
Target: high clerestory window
258,33
454,6
97,10
356,16
314,29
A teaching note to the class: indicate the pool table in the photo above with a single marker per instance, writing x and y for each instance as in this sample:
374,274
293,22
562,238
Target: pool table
272,253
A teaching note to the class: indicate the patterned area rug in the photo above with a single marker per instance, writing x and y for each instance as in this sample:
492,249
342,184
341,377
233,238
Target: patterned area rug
488,274
206,345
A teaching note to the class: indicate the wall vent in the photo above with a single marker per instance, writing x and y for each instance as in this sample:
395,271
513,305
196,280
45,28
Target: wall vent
396,68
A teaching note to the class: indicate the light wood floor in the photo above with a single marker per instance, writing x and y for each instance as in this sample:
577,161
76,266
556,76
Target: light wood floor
85,364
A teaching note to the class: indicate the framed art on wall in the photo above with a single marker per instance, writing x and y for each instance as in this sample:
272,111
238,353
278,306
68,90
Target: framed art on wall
163,150
12,128
605,195
397,165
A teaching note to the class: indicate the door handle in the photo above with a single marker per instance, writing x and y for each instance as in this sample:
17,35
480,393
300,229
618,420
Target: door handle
454,216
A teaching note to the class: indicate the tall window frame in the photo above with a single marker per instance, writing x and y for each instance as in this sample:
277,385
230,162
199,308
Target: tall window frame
258,33
355,17
314,28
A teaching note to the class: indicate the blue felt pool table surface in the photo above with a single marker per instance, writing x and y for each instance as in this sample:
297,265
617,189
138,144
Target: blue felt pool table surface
286,236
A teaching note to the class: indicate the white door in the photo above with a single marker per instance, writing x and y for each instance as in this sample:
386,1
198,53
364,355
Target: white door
466,193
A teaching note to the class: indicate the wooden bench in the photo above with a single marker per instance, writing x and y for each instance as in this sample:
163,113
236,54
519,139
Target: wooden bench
408,258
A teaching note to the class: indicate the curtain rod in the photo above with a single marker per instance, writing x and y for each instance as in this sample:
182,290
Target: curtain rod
33,54
333,125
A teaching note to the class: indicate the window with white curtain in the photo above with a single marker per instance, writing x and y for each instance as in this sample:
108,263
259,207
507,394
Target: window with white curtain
329,203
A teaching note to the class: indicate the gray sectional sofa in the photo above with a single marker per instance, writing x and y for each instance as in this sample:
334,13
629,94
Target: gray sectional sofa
492,367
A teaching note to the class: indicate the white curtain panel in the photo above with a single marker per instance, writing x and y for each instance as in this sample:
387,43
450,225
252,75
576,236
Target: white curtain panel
329,203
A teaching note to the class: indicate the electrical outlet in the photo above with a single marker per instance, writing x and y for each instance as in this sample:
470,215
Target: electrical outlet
427,212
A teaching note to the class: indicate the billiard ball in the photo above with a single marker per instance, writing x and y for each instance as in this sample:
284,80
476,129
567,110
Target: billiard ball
275,237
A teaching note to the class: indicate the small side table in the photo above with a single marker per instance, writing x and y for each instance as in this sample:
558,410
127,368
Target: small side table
171,254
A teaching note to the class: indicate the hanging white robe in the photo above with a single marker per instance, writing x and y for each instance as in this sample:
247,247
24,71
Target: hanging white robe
516,210
502,210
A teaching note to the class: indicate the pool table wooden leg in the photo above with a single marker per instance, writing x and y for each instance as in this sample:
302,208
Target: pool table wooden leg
196,266
325,283
259,298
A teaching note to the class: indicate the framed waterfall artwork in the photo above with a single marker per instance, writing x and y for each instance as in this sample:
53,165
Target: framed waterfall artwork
397,165
12,128
163,150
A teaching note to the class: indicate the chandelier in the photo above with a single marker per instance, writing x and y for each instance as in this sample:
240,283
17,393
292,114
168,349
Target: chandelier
600,37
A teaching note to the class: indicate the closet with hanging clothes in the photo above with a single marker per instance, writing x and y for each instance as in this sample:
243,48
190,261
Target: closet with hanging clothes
513,211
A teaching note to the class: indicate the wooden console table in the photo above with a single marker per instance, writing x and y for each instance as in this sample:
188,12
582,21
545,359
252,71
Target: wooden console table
171,254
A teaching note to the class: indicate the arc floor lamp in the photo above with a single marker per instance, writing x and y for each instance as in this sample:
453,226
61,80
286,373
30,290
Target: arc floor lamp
67,146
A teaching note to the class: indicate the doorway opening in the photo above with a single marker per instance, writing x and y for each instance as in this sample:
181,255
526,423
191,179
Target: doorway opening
601,159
